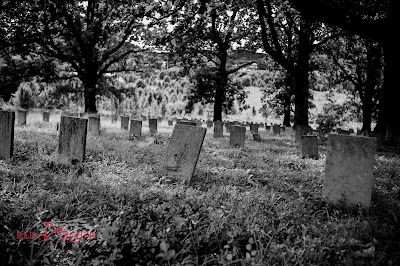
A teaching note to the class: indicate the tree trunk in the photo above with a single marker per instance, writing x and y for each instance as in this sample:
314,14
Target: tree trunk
286,112
219,98
301,84
90,94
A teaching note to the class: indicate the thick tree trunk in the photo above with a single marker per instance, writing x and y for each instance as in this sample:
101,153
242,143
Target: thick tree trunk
286,112
301,83
220,96
90,93
367,118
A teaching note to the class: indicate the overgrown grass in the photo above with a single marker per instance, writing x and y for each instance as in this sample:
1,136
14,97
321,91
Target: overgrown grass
254,206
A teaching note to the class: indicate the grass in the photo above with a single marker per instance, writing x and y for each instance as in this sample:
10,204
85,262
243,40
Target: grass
259,205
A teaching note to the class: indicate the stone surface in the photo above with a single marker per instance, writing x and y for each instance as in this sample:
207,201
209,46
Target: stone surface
254,128
209,123
153,126
7,120
114,119
349,170
72,140
136,129
21,118
256,137
276,129
309,146
227,126
301,131
218,129
124,122
46,116
170,123
343,131
94,124
183,151
283,128
237,136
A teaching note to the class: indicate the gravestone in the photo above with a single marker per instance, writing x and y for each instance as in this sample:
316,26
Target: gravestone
209,123
46,116
187,122
153,126
114,119
72,140
237,136
309,146
82,114
144,118
183,151
136,129
256,137
301,131
267,127
218,129
7,120
124,122
227,126
21,118
349,170
254,128
343,131
170,123
276,129
94,124
199,123
283,128
351,131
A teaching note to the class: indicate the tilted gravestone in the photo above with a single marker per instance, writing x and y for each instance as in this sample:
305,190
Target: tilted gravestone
276,129
309,146
136,129
94,124
7,120
183,151
170,122
153,126
124,122
349,170
21,118
301,131
72,140
209,123
256,137
254,128
218,129
46,116
237,136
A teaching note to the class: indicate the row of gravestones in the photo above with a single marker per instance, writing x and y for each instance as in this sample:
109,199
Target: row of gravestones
348,170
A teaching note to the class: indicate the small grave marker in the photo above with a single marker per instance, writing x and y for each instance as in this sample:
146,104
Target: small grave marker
153,126
349,170
301,131
256,137
209,123
276,129
237,136
7,120
183,151
21,118
72,140
170,122
136,129
309,146
218,129
114,119
124,122
94,124
254,128
46,116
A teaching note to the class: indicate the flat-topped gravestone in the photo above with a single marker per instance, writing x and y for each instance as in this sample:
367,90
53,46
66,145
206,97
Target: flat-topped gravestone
136,129
218,129
46,116
254,128
187,122
199,123
267,127
227,126
301,131
237,136
21,118
183,151
256,137
309,146
153,126
72,140
124,122
349,170
283,128
209,123
276,129
170,123
343,131
7,120
94,124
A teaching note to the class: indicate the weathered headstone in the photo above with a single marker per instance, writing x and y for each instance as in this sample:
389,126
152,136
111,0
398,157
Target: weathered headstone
136,129
227,126
124,122
72,140
254,128
94,124
343,131
276,129
46,116
301,131
256,137
267,127
218,129
21,118
349,170
199,123
209,123
283,128
170,122
187,122
153,126
114,118
183,151
7,120
309,146
237,136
